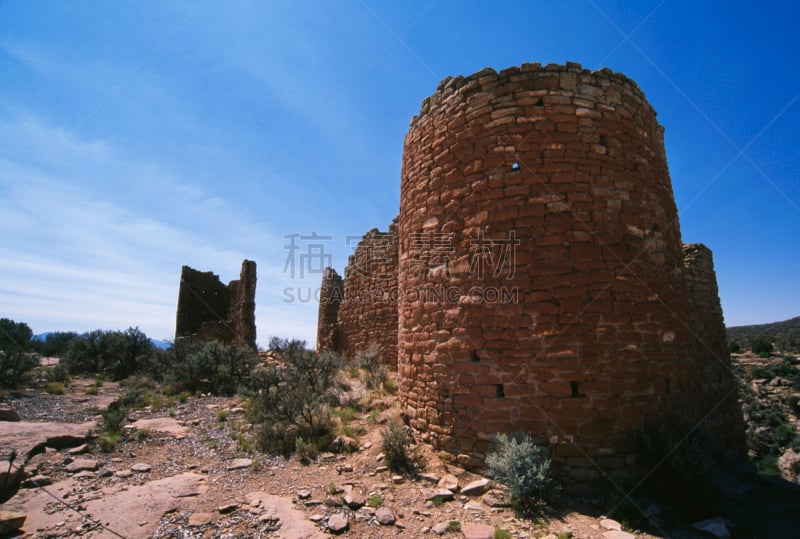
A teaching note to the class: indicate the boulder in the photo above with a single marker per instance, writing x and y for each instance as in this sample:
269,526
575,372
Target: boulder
82,465
11,521
239,464
337,523
7,414
476,488
448,481
385,517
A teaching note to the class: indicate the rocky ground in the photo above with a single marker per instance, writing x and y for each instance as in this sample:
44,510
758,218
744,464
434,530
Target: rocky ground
188,470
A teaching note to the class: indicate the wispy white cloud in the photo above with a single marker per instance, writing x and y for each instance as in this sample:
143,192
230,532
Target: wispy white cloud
91,242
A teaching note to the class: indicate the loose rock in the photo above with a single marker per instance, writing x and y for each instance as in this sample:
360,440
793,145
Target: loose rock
141,467
385,516
477,531
337,523
476,488
80,465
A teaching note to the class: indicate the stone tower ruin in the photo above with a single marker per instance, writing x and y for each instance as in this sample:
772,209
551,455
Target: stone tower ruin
208,310
542,285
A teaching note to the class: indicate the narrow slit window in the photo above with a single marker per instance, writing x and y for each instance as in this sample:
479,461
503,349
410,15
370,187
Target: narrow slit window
515,166
474,357
500,391
574,390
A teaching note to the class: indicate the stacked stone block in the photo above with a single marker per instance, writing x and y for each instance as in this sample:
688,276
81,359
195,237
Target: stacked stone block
208,310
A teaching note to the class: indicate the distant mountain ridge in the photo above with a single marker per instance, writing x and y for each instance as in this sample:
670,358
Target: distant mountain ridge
784,335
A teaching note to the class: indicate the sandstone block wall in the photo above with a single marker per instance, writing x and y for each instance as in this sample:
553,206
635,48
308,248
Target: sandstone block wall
541,271
367,313
208,310
330,298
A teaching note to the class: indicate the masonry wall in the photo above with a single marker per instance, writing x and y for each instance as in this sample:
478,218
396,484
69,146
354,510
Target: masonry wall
368,313
208,310
330,299
541,271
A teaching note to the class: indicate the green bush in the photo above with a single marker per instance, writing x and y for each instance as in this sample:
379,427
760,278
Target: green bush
734,347
520,464
783,435
306,451
118,354
54,388
16,367
761,346
396,442
374,367
293,398
211,368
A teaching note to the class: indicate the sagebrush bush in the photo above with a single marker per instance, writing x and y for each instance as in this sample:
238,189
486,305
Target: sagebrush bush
211,367
293,398
523,467
396,443
761,345
374,367
307,452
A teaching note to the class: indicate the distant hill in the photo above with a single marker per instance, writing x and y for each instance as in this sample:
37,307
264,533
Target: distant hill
784,335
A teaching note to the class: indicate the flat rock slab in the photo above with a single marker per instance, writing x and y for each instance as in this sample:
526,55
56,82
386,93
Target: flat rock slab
294,522
11,521
617,534
82,465
239,464
133,513
477,531
165,425
476,488
28,438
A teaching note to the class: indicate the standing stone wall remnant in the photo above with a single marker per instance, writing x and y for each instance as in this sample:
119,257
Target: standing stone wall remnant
208,310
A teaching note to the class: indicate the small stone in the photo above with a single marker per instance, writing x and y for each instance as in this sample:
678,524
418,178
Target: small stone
431,478
442,493
80,450
379,457
84,475
342,468
714,526
381,469
337,523
617,534
105,472
333,501
11,521
316,517
312,503
228,508
365,446
343,444
200,519
448,481
82,465
238,464
476,488
354,500
477,531
385,517
495,498
124,474
397,479
141,467
440,528
37,481
304,494
610,524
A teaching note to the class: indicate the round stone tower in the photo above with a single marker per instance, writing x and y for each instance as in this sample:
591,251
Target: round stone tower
541,270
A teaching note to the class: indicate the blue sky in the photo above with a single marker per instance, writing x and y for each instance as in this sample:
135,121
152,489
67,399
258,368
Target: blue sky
137,136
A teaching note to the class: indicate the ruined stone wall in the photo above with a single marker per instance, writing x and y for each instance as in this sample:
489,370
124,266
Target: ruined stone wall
330,298
368,314
208,310
541,271
716,388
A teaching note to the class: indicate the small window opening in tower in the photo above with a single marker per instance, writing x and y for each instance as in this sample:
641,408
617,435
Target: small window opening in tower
666,382
574,390
514,166
500,391
474,356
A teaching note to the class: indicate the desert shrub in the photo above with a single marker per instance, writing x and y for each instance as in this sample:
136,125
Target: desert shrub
55,344
211,368
118,354
108,440
307,452
374,501
734,347
16,367
783,435
395,443
761,345
761,372
346,414
14,336
502,534
520,464
293,399
57,373
92,390
794,404
374,367
54,388
390,386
